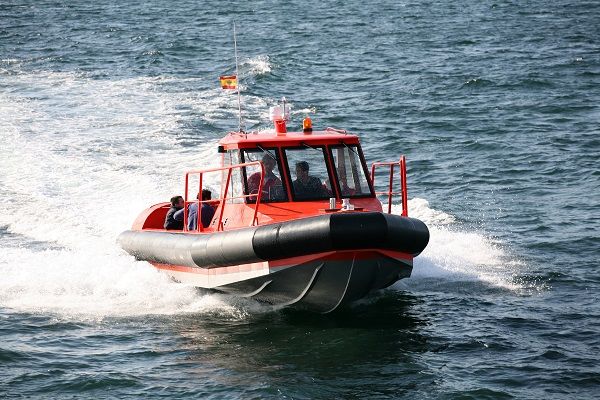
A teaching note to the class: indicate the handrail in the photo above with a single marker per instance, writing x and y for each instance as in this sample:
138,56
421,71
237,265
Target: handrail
224,197
403,189
336,130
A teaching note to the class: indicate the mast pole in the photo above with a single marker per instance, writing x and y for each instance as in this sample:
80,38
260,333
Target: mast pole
237,75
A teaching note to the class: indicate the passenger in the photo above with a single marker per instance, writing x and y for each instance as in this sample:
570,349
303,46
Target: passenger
206,212
272,188
306,186
174,218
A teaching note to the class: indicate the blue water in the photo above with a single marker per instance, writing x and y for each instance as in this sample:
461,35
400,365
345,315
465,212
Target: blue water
103,106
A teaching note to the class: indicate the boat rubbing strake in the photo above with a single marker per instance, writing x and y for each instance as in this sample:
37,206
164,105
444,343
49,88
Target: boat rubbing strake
297,222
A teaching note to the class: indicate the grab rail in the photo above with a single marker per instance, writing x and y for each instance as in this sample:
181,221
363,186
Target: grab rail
390,192
224,197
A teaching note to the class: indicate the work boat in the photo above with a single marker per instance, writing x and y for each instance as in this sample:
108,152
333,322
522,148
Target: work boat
297,221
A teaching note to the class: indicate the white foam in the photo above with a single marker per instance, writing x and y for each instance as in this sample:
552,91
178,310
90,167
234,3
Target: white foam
419,208
80,159
259,65
456,254
304,111
94,284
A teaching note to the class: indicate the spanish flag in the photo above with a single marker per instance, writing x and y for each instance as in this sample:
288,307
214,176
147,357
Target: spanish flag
228,82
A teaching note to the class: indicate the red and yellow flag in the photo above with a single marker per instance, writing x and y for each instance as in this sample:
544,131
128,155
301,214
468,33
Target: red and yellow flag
228,82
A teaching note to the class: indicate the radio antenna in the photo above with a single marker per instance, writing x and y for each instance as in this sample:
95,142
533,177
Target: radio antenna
237,74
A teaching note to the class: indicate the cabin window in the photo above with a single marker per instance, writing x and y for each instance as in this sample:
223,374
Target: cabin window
309,173
272,187
350,171
232,157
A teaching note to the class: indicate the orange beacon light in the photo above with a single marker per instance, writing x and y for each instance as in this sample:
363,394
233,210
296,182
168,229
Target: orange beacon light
307,125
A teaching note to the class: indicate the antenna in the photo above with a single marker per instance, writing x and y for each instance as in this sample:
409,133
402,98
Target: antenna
237,74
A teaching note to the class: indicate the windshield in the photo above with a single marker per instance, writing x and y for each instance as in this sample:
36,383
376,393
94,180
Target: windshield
272,187
350,171
309,173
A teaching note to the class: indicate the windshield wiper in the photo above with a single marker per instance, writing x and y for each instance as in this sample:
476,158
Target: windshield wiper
310,147
351,149
266,151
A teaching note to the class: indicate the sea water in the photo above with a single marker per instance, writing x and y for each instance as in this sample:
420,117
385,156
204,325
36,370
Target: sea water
104,105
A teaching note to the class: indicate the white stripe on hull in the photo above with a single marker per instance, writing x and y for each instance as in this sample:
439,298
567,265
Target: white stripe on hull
210,278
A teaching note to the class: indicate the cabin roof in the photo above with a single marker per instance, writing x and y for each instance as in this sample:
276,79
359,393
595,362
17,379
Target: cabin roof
270,138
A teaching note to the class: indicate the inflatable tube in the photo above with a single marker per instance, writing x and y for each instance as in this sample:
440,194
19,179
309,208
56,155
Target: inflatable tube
323,233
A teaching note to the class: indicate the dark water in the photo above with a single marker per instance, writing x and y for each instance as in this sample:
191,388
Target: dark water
495,104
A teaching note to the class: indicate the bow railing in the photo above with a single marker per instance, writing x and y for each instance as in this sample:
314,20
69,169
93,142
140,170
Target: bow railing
401,164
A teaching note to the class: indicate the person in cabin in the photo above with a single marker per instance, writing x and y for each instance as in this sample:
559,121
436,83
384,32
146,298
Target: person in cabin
206,211
272,188
174,218
306,186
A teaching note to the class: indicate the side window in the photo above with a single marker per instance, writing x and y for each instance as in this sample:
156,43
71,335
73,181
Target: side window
350,172
232,157
309,173
272,184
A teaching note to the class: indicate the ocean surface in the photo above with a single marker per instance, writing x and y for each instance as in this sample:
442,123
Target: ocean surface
496,105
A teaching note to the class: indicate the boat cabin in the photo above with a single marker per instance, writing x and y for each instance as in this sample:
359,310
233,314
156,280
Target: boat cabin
276,175
298,167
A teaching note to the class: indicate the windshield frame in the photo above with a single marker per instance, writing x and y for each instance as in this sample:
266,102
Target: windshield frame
355,148
273,151
326,159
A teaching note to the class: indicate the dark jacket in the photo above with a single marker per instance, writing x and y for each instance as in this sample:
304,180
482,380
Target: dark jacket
313,189
173,221
206,215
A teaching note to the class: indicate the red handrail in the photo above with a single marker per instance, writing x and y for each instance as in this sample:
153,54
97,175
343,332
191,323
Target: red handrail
224,197
390,192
